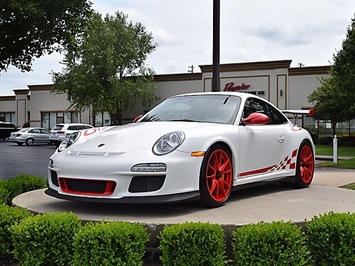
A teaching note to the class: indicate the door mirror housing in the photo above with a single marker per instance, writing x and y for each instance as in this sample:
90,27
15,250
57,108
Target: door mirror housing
256,119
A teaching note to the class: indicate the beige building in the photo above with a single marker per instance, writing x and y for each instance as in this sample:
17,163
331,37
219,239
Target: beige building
286,87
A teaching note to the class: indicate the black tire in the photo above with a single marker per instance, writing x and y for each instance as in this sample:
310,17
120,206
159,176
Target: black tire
305,165
19,143
29,141
216,180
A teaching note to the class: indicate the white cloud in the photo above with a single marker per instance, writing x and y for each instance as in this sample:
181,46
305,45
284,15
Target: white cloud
307,31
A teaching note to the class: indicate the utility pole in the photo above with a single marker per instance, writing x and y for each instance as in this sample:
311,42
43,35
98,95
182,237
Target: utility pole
191,69
216,44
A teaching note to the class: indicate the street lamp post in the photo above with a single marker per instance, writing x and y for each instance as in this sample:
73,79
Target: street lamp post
216,45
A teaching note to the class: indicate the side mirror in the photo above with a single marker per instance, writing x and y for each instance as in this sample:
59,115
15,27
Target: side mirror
256,119
137,118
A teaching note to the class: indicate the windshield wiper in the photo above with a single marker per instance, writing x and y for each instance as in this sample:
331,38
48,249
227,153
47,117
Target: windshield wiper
183,120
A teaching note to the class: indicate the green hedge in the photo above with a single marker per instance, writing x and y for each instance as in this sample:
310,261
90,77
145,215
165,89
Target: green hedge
8,217
4,192
45,239
276,243
11,188
193,244
110,243
59,239
331,239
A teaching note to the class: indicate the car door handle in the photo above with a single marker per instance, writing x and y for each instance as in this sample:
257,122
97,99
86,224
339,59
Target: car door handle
281,139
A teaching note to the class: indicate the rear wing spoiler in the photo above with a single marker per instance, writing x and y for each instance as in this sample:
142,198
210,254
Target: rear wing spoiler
296,113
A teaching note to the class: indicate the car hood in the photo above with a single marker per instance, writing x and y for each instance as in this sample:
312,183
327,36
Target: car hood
121,139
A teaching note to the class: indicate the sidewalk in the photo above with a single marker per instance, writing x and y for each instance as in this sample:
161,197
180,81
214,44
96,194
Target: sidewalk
267,203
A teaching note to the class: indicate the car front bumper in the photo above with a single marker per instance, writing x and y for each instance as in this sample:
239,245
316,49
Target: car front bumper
109,178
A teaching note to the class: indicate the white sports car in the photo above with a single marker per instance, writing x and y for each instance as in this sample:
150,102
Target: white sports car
191,146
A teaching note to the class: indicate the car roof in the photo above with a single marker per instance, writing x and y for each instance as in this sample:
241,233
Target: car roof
228,93
71,124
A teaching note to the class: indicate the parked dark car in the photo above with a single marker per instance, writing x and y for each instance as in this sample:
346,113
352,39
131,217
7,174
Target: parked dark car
6,129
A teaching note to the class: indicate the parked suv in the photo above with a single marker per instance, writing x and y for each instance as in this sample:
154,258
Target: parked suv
6,129
59,131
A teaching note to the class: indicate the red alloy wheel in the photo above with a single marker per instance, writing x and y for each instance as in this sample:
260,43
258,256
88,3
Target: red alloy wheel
219,175
306,164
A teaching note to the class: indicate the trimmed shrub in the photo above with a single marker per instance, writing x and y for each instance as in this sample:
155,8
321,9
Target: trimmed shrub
23,183
276,243
192,244
331,239
8,217
110,243
4,193
45,239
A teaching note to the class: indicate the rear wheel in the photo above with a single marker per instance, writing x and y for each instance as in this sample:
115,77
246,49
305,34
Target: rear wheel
29,142
305,165
216,176
19,143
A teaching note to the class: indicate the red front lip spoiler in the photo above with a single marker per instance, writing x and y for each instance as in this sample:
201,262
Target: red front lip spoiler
109,187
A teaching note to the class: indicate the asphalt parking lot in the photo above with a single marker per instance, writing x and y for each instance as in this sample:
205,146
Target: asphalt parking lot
16,160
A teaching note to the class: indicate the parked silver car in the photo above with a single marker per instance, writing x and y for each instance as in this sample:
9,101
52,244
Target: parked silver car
30,135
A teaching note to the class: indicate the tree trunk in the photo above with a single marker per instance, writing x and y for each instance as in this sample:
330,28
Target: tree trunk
116,118
334,124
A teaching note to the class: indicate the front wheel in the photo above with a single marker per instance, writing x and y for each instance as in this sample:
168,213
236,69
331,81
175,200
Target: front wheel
216,176
305,165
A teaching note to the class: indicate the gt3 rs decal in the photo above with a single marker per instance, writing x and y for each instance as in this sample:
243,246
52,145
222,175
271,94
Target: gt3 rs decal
289,162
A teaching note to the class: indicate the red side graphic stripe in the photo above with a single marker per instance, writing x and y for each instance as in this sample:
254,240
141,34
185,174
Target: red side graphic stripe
258,171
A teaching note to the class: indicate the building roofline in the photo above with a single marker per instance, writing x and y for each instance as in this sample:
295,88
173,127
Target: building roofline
177,77
315,70
42,87
247,66
7,98
21,91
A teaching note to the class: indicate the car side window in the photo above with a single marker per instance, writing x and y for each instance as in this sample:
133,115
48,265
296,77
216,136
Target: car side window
253,105
276,116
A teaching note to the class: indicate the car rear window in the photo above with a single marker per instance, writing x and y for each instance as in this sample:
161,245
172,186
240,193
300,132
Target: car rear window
78,127
7,125
58,127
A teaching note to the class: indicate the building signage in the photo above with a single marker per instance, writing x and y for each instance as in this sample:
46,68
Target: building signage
231,87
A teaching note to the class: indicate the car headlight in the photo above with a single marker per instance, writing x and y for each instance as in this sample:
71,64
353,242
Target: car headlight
168,143
68,141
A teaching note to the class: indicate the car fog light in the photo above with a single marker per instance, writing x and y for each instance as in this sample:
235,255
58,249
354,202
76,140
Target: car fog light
50,164
149,167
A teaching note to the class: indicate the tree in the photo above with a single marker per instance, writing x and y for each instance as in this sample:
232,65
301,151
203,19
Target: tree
32,28
334,99
106,70
327,102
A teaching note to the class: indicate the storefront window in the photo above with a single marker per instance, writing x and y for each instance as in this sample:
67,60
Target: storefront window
102,119
45,120
7,117
50,119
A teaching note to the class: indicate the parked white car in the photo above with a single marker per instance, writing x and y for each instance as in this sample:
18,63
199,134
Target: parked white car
59,131
30,136
191,146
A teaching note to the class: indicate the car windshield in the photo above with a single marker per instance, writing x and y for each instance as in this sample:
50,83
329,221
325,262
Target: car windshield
196,108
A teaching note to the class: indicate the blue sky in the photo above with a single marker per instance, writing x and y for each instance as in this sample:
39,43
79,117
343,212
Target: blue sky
305,31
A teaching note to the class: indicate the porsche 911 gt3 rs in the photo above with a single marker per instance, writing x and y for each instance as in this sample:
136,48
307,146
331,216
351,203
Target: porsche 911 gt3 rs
191,146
